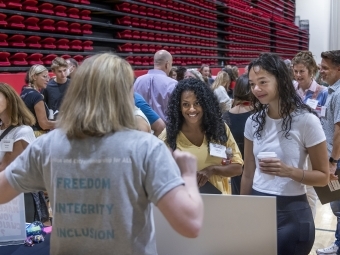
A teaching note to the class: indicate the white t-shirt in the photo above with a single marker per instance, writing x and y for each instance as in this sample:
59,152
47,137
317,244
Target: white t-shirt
18,133
306,131
223,98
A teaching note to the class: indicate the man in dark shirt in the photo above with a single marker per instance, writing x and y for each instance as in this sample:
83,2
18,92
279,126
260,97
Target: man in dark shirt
57,86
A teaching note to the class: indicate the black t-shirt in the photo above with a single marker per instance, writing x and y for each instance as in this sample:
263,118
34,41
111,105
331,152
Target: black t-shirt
236,123
31,97
54,93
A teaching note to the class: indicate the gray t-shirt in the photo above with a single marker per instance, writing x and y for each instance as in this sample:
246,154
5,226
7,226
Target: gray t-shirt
332,114
100,189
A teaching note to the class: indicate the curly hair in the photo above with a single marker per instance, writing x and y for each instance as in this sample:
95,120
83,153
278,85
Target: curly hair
212,122
306,58
289,100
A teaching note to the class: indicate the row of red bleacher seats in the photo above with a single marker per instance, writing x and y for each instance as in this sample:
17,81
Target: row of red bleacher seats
159,37
163,26
152,48
148,61
156,13
48,25
47,43
169,4
46,8
23,59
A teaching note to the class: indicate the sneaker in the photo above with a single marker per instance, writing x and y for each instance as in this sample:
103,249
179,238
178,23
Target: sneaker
331,250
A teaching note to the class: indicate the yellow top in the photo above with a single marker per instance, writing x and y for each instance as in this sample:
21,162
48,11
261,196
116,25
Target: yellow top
204,159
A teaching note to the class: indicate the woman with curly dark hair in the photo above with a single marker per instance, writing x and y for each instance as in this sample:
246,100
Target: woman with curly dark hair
195,125
278,137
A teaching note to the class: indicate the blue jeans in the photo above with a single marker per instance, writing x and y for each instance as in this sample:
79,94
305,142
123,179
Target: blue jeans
335,206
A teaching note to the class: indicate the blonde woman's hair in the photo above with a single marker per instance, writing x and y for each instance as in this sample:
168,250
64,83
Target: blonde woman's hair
99,99
58,62
306,58
35,70
222,79
16,108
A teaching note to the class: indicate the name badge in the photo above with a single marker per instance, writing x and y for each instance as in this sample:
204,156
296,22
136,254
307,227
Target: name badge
6,145
51,114
312,103
217,150
323,111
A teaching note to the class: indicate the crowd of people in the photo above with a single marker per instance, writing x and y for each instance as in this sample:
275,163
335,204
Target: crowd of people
163,136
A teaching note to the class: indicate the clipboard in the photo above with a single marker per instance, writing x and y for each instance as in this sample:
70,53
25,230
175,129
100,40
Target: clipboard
330,192
208,188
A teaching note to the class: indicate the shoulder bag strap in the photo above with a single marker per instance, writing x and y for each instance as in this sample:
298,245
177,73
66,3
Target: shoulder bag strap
7,130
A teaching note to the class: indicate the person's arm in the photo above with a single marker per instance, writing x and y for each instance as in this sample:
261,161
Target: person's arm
158,126
249,168
6,190
233,168
142,125
336,149
18,148
183,206
318,177
40,112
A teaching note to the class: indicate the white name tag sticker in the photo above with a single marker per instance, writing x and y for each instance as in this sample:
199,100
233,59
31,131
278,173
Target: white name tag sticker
312,103
51,115
6,145
217,150
323,111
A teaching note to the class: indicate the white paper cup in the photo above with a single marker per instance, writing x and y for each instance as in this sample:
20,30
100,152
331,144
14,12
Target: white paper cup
265,155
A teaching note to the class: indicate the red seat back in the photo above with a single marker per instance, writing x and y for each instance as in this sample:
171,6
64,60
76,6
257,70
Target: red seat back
46,8
85,14
87,29
16,41
76,45
33,41
62,44
4,59
47,25
60,10
3,42
31,23
87,45
35,59
18,59
73,13
30,5
48,43
61,26
15,21
47,60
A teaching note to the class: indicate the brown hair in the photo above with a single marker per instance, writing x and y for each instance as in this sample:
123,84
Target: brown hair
306,58
242,91
100,98
333,56
16,108
58,62
202,67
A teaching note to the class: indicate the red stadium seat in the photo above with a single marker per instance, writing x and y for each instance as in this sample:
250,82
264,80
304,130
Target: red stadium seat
86,29
47,25
87,45
16,41
60,10
18,59
79,58
31,23
129,59
3,21
76,45
12,4
35,59
123,7
61,26
84,1
85,14
65,56
127,47
62,44
30,6
74,28
4,59
73,13
3,42
125,21
33,42
126,34
15,21
46,8
47,60
48,43
2,4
